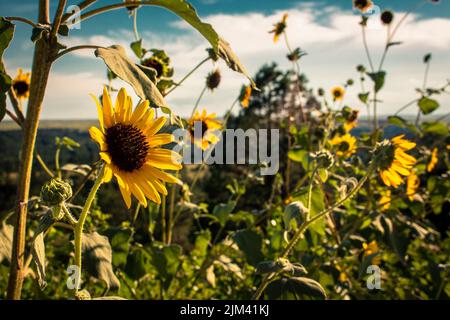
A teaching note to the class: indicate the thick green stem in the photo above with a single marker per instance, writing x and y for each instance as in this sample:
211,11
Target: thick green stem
40,72
80,224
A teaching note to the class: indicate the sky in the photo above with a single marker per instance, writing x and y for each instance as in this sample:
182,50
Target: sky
327,30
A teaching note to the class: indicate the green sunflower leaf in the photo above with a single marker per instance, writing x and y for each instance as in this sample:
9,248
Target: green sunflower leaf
363,97
428,105
295,288
136,46
250,243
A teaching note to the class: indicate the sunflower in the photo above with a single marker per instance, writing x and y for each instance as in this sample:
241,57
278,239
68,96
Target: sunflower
21,84
362,5
393,161
346,145
246,93
412,184
209,127
351,120
130,145
337,93
433,160
385,200
160,66
370,249
279,28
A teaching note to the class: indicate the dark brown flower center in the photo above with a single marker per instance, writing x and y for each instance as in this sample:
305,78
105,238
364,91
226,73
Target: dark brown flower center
344,146
204,128
361,4
127,146
21,87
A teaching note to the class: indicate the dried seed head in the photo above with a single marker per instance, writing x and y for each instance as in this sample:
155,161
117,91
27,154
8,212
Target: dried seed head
213,79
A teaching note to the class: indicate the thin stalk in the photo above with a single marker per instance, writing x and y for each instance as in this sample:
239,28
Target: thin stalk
17,106
135,28
82,5
44,166
85,46
187,75
202,93
79,226
57,167
163,219
305,225
39,77
366,48
58,18
171,211
21,19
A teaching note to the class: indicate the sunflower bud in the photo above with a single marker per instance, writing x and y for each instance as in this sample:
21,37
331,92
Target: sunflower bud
213,79
324,159
212,54
361,68
320,92
387,17
55,192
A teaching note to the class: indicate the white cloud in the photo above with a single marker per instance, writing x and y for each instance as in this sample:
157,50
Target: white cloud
333,44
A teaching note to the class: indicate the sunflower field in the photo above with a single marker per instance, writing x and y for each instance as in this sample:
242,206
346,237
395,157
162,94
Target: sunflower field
143,204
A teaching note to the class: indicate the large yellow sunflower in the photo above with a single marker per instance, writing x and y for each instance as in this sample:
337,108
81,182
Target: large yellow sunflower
351,121
346,145
130,145
393,161
412,184
21,84
433,160
209,127
279,28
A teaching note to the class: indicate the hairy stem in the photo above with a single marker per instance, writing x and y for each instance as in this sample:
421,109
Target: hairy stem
80,224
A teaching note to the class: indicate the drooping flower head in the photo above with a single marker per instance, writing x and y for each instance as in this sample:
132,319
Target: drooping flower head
213,79
433,160
392,160
131,148
21,84
279,28
245,95
337,93
412,184
209,129
345,145
362,5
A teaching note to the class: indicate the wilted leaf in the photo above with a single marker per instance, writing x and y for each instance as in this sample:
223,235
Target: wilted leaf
6,237
81,169
228,55
250,243
38,253
210,276
6,35
378,78
427,105
97,255
115,58
295,288
226,263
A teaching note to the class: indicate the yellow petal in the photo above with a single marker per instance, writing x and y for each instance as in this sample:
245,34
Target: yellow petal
149,190
137,192
108,174
164,176
120,105
106,157
140,111
160,139
100,112
164,159
108,112
156,126
124,190
97,136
